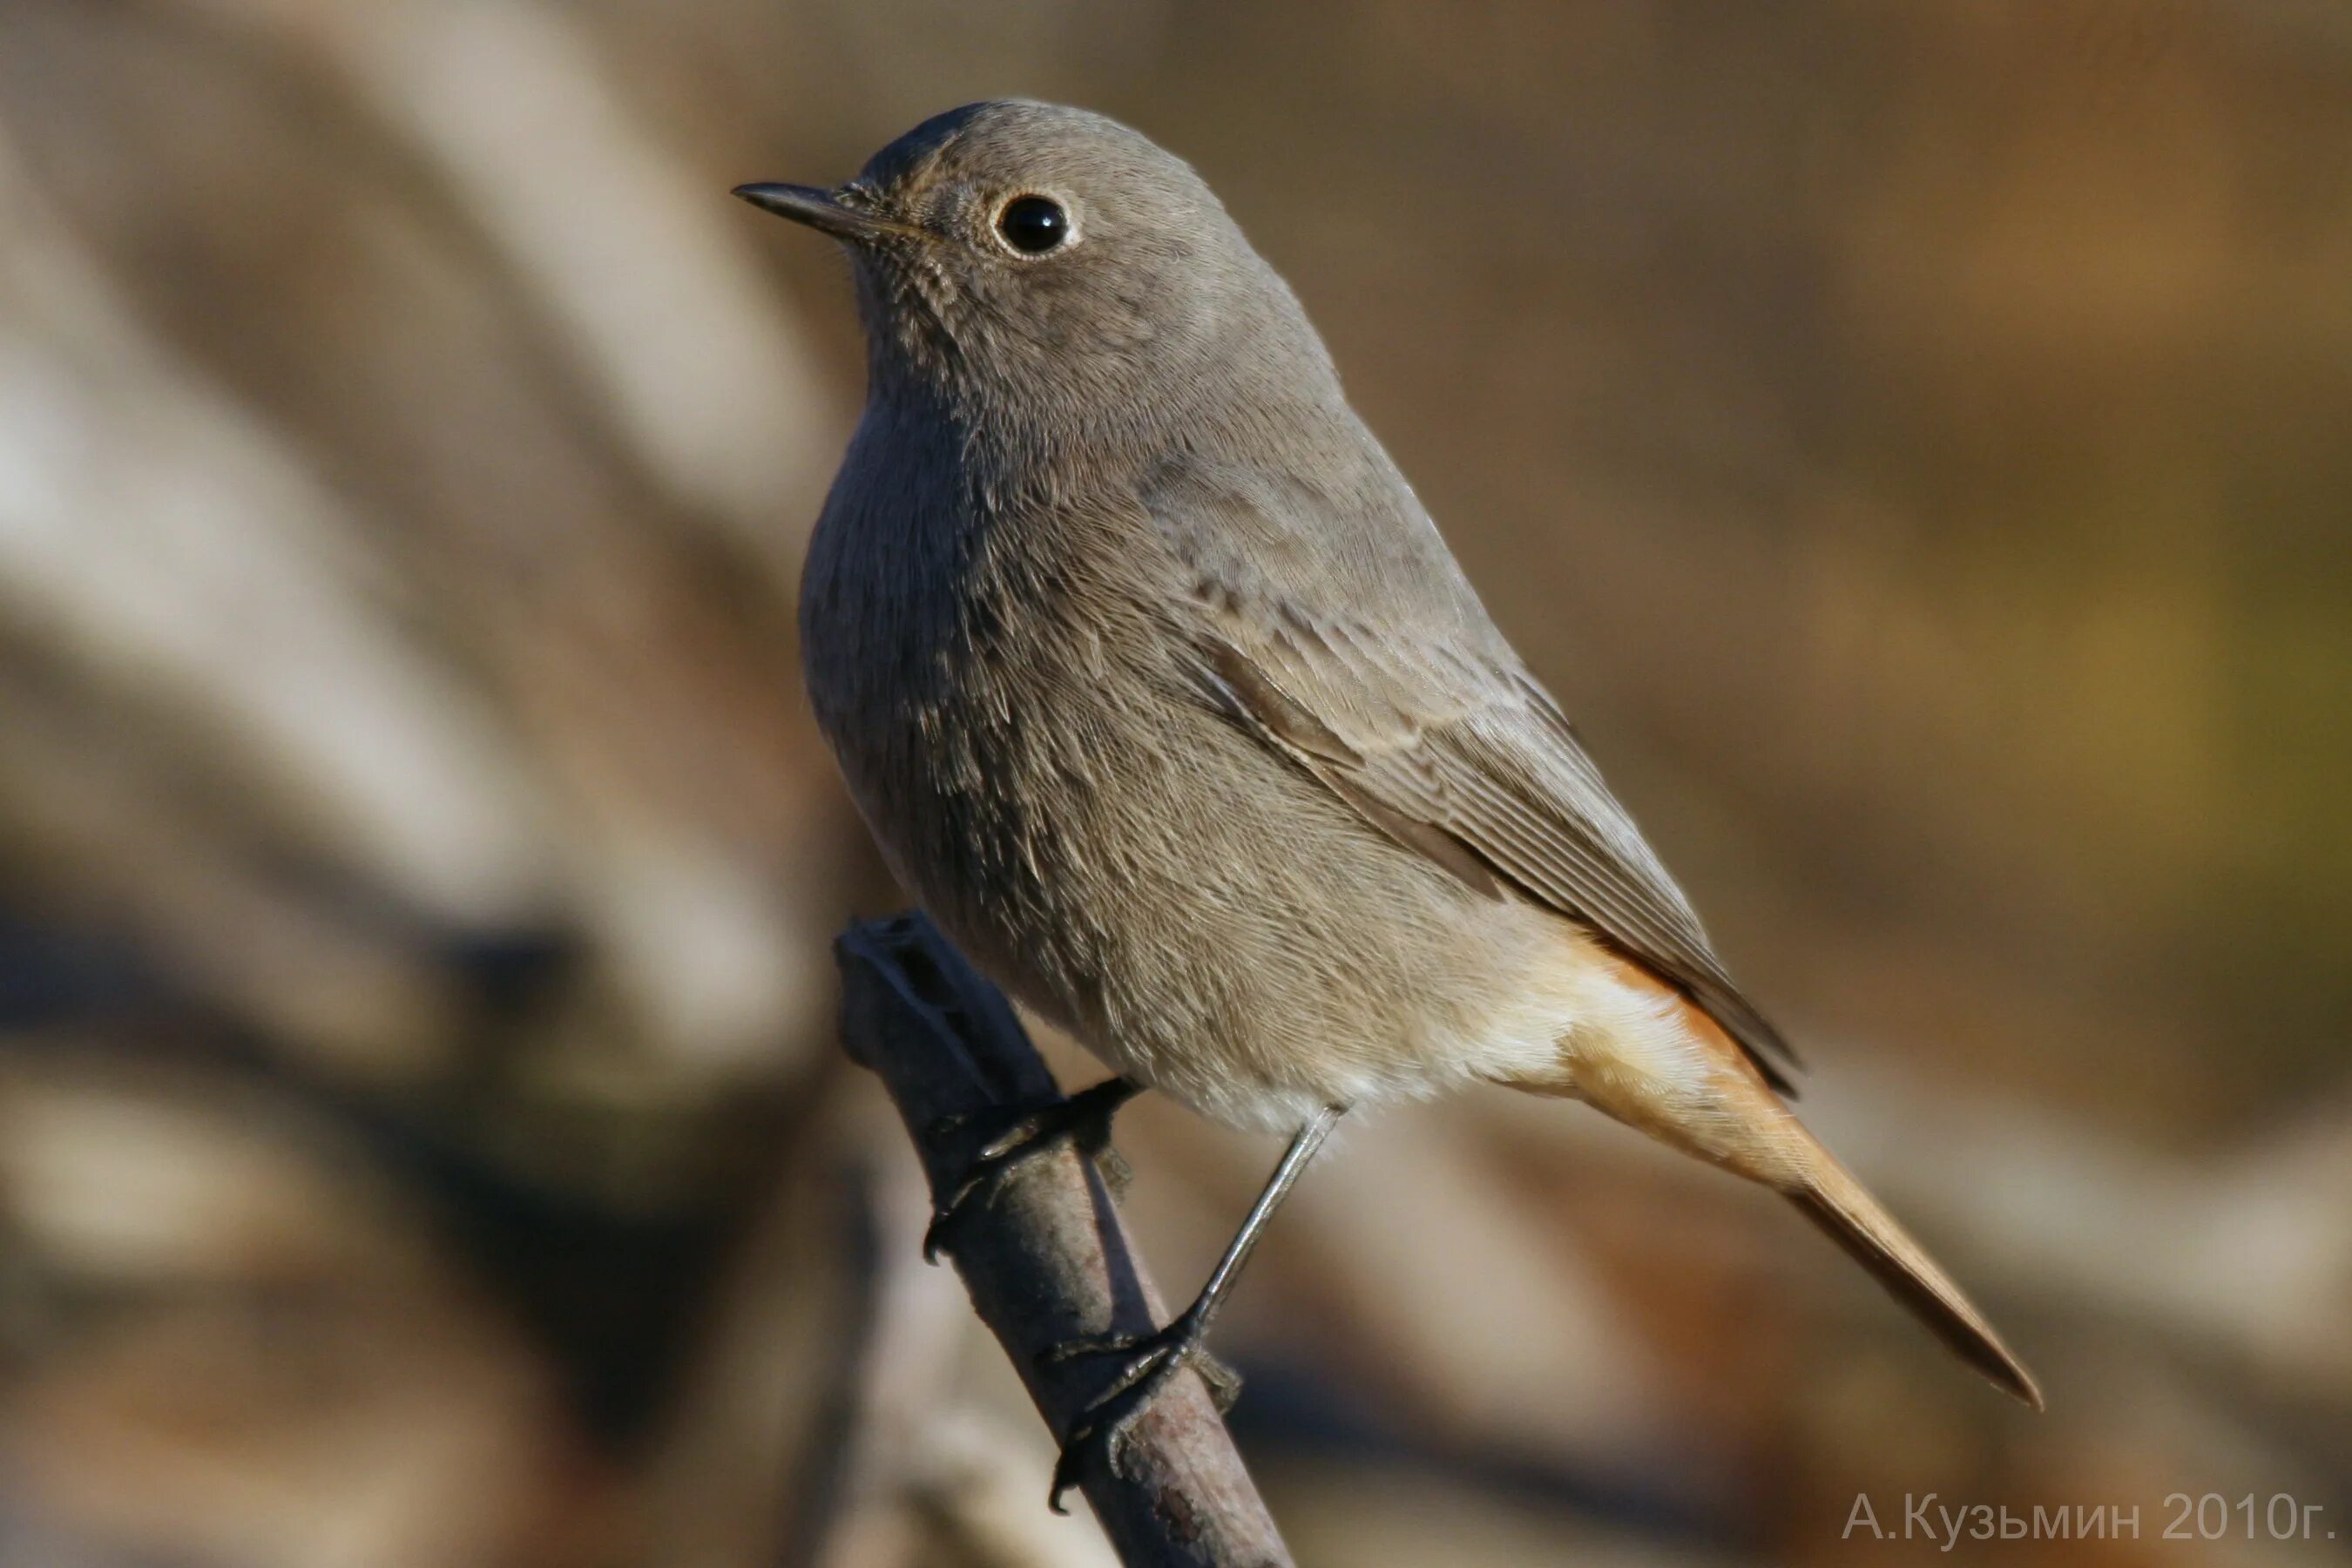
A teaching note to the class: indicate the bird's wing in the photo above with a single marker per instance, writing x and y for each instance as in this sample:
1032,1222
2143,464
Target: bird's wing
1441,740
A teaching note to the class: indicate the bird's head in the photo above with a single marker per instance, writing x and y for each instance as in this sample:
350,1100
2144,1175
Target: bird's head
1032,257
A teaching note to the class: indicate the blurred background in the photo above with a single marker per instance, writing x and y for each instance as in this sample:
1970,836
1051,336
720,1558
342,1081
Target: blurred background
1915,442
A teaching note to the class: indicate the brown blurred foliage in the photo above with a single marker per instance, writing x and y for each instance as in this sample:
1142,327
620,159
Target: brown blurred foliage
1913,440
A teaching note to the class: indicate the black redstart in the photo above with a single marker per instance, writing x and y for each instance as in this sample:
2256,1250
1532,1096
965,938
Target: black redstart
1161,691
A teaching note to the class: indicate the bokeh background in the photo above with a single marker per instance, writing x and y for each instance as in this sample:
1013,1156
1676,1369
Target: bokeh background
1914,441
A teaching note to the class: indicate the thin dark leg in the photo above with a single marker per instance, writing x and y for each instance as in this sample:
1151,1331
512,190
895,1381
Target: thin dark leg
1084,1117
1157,1357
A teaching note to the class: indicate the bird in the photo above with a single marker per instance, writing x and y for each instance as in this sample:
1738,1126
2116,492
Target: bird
1158,688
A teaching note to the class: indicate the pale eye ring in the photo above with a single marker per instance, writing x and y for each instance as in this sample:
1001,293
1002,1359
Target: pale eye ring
1033,224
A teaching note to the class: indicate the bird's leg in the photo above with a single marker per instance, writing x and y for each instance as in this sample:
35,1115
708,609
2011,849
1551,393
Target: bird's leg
1016,1135
1154,1358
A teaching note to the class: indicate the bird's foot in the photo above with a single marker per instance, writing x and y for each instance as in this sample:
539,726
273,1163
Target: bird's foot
1152,1360
1016,1136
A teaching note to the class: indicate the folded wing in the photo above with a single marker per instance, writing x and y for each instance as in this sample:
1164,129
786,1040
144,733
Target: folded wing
1443,741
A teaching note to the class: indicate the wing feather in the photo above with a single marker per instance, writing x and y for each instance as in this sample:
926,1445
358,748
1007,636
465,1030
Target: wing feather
1436,734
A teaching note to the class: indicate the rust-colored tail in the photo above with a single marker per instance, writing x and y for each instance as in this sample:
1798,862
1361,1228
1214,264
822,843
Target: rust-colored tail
1637,1066
1853,1219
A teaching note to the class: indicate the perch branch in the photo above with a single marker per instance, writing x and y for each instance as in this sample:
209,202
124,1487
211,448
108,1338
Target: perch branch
1044,1258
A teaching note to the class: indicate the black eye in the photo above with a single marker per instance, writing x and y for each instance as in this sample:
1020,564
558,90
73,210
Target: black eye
1033,224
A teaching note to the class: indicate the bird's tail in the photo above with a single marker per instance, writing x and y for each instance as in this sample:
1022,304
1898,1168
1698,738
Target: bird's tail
1639,1066
1834,1201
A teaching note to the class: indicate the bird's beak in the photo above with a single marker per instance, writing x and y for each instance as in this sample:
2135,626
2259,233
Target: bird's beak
823,211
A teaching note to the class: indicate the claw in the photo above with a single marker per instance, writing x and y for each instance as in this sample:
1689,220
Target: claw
1084,1118
1107,1420
1025,1135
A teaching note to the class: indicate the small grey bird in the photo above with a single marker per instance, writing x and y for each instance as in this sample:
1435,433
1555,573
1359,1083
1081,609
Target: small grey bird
1161,691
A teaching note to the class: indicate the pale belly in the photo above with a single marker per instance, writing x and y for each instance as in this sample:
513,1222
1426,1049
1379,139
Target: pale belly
1208,920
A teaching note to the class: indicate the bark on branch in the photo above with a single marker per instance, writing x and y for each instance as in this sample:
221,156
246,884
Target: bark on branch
1043,1258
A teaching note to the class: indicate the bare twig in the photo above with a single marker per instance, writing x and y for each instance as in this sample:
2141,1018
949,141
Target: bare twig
1046,1259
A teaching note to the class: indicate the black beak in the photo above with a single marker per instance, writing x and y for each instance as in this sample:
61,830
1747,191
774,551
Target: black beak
823,211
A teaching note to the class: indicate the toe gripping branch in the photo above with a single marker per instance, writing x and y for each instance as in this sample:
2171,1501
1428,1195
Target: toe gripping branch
1045,1259
1103,1429
1014,1138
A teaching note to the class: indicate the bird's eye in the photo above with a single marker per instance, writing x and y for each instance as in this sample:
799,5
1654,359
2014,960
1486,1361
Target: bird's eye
1033,224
